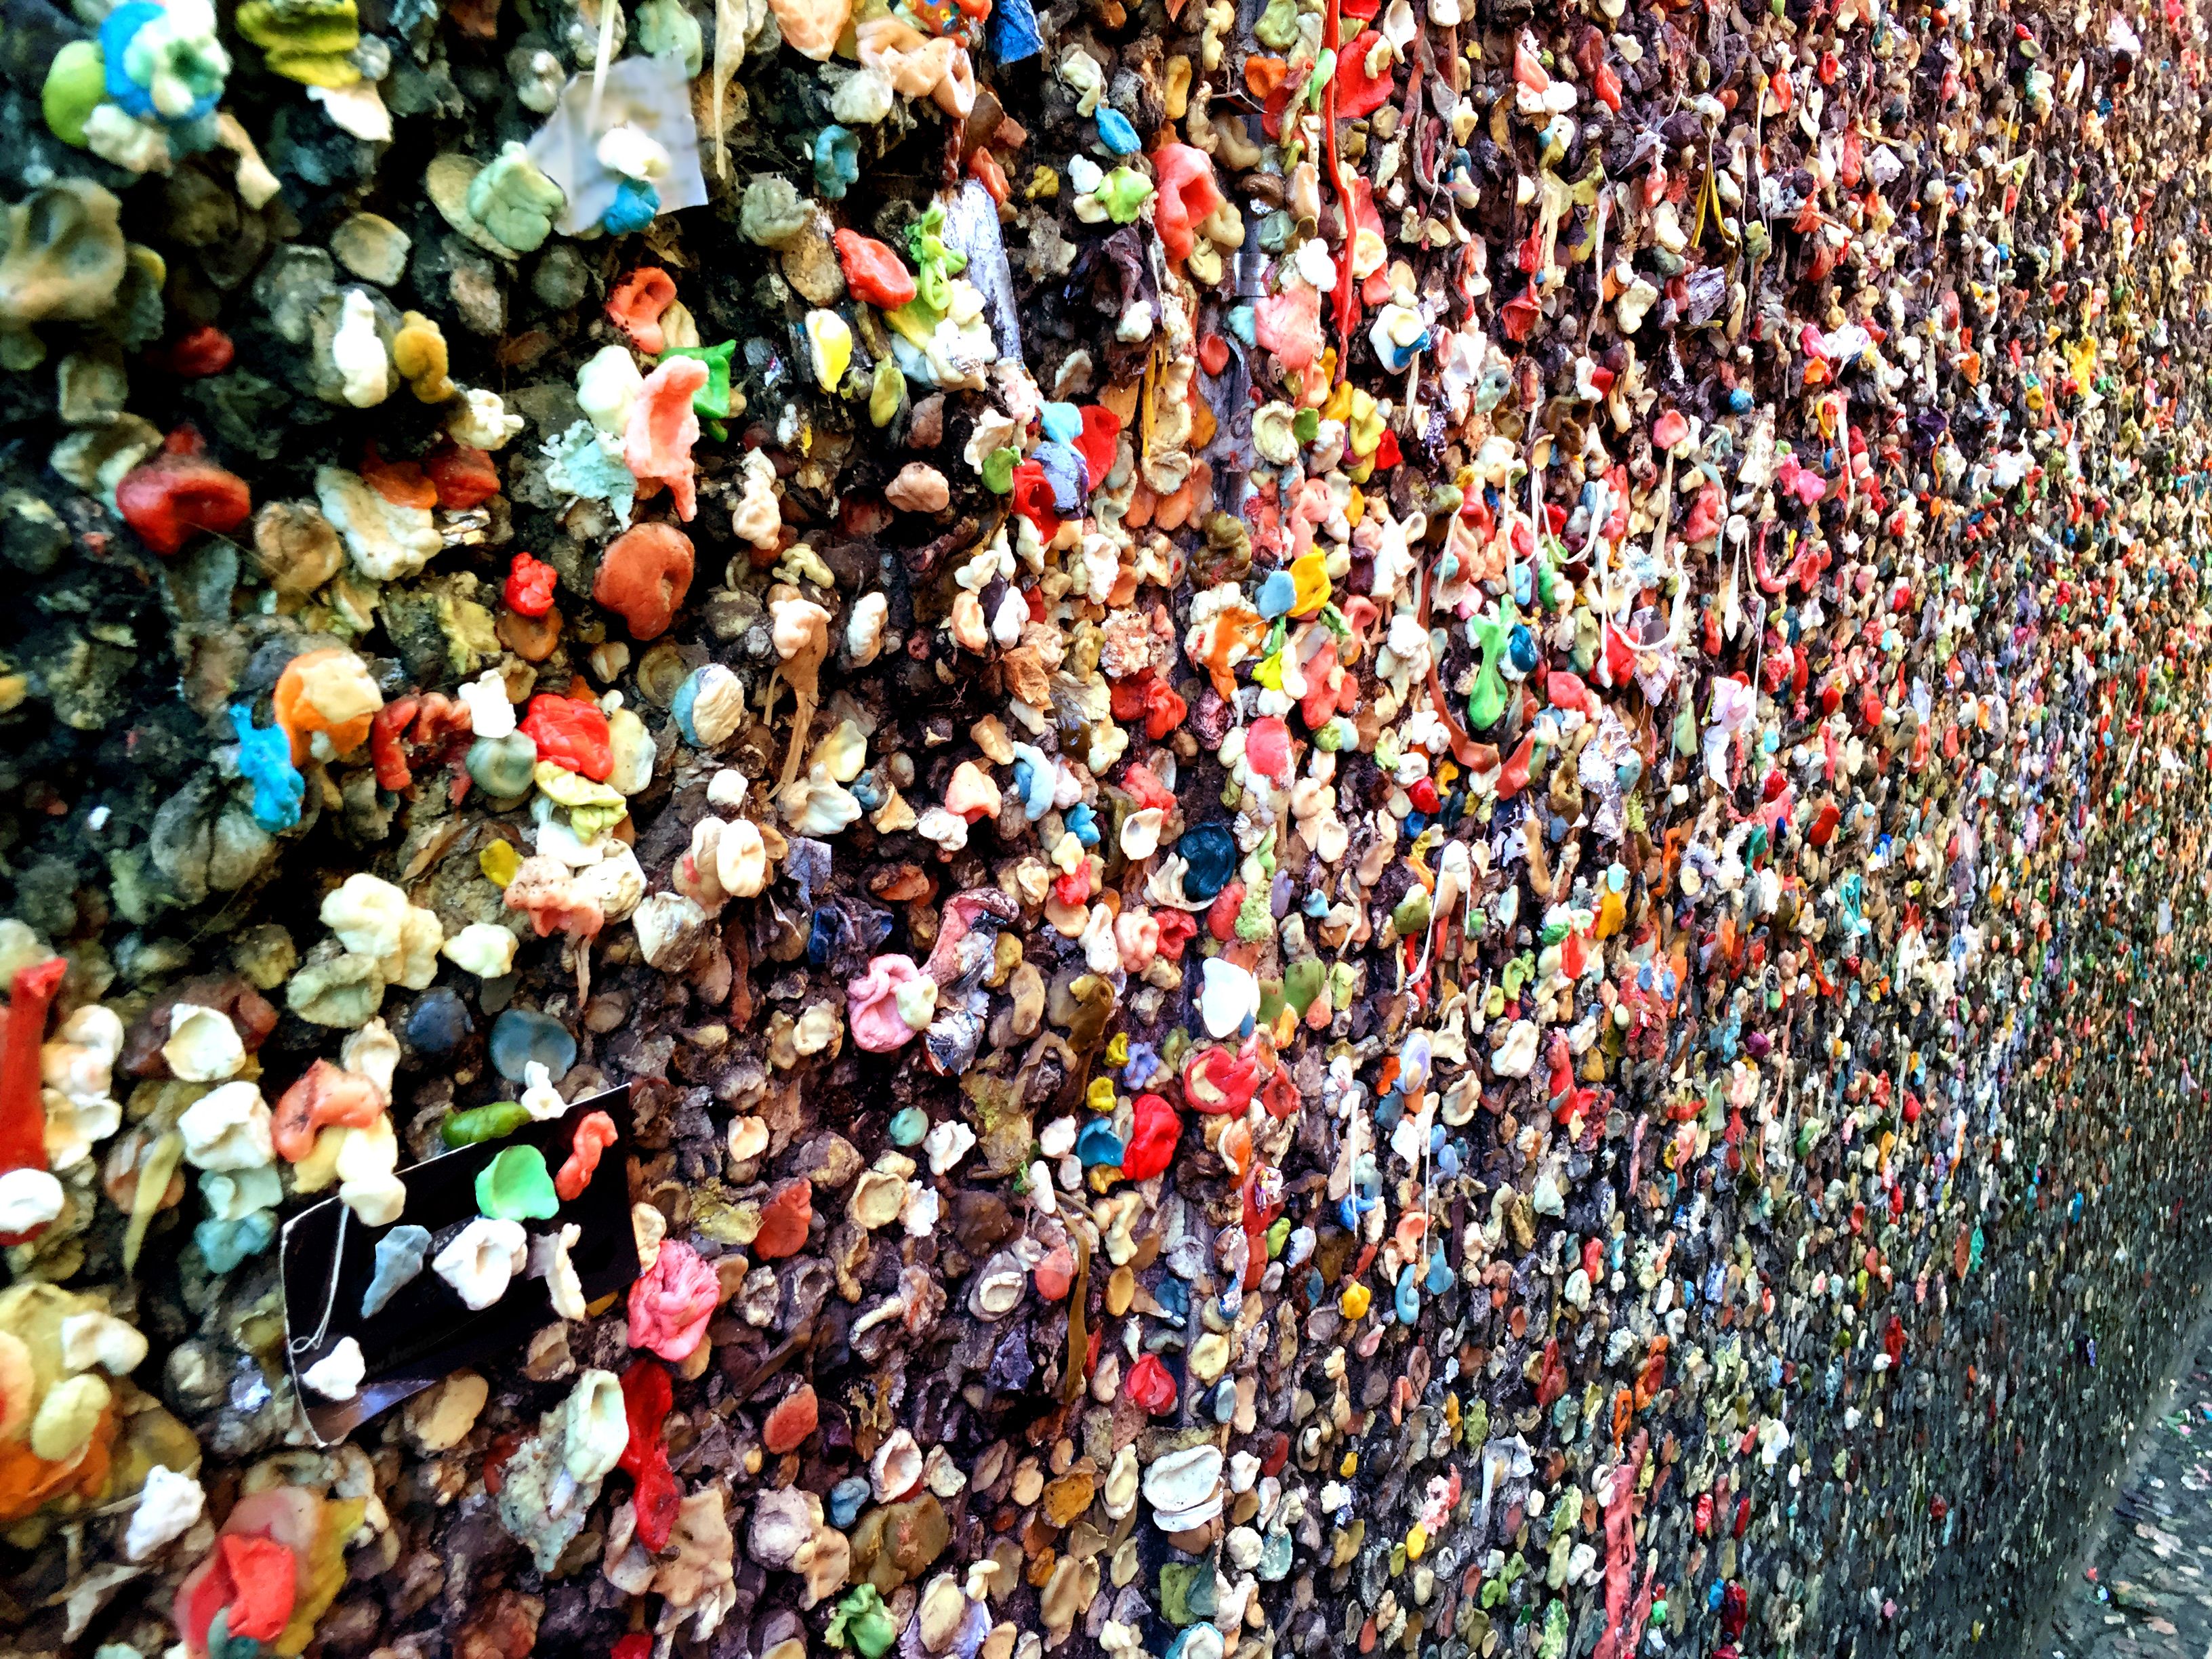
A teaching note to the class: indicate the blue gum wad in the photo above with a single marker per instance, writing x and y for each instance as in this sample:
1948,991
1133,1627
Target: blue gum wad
264,760
1211,852
400,1255
521,1035
227,1244
633,208
503,768
188,71
1116,132
836,162
582,465
1014,37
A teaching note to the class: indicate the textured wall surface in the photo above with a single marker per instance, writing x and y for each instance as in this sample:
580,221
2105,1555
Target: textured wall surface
1112,829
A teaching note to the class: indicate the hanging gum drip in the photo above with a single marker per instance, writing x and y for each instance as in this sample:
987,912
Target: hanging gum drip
801,637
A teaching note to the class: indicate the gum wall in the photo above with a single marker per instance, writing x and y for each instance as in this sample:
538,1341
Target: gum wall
1121,828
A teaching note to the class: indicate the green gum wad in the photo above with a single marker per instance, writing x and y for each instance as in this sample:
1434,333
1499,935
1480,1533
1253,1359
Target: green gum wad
1255,920
773,211
1686,730
1412,916
76,81
1324,71
1343,983
1271,1001
1486,703
514,201
478,1124
862,1622
1587,640
1553,590
998,470
712,400
593,808
516,1186
667,28
1554,1643
916,321
1174,1047
1123,193
935,264
1183,1600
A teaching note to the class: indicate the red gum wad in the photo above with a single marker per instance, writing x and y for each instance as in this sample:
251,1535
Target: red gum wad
181,491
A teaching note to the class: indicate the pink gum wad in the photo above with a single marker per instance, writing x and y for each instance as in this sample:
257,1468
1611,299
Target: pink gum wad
871,1005
671,1302
543,888
636,305
656,444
